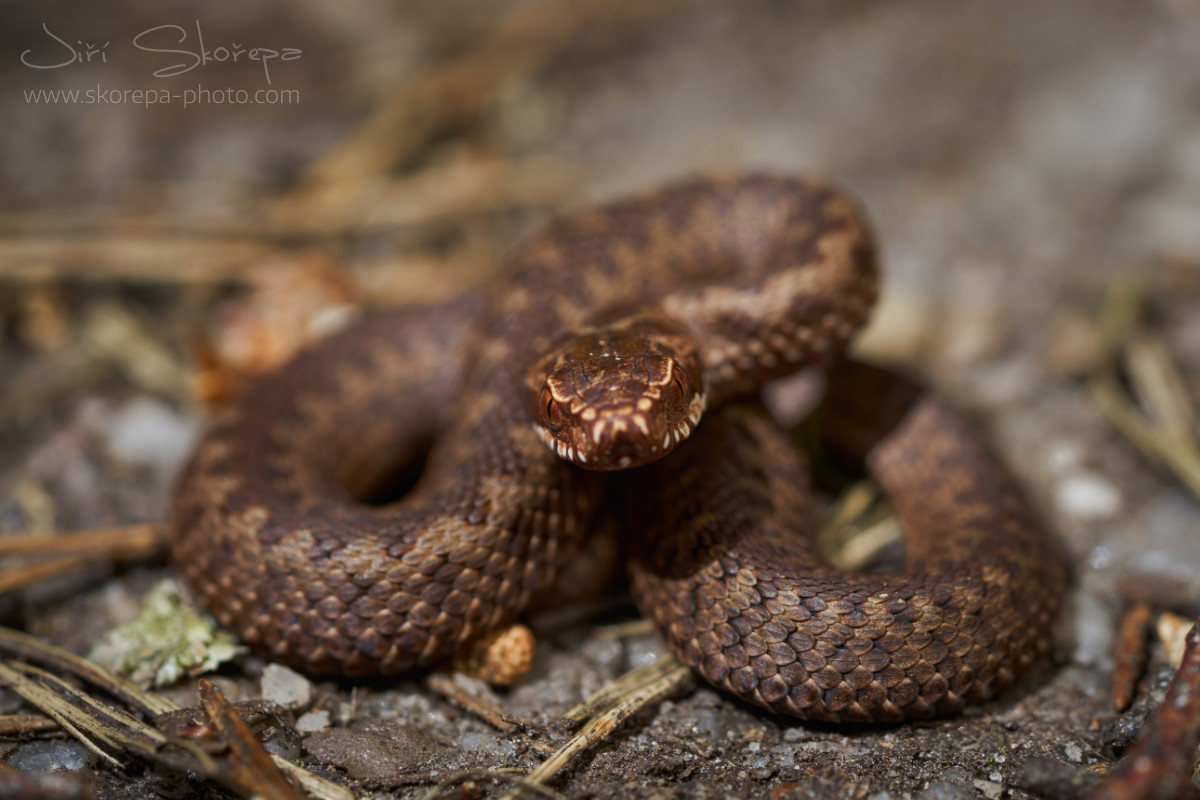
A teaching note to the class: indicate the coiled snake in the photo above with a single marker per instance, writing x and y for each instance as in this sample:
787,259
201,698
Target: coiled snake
606,337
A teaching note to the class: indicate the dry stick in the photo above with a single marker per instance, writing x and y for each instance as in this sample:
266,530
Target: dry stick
859,526
33,649
145,257
1158,764
135,539
1130,654
22,575
30,648
625,697
15,783
154,250
18,724
489,712
626,630
100,729
1163,429
70,553
1165,432
250,764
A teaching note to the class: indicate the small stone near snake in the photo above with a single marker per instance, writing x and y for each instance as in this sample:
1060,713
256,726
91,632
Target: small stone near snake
46,756
312,721
1086,495
286,687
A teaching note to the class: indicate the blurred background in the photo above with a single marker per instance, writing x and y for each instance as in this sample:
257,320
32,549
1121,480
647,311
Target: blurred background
189,191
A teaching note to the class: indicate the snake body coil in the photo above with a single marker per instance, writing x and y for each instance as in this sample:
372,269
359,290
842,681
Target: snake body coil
613,329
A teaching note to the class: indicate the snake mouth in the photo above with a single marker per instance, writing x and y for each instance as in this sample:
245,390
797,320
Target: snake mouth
619,444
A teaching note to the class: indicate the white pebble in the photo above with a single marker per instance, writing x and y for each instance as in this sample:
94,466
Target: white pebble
313,721
1087,495
286,687
990,789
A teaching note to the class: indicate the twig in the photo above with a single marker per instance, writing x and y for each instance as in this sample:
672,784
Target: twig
605,710
626,630
69,553
16,784
487,711
134,539
1130,654
31,648
249,764
858,527
1163,427
18,724
101,729
1158,764
132,734
22,575
130,257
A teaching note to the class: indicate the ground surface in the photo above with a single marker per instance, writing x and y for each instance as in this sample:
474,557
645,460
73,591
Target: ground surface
1017,160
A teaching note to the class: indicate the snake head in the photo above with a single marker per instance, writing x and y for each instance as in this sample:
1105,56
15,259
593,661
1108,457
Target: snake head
618,400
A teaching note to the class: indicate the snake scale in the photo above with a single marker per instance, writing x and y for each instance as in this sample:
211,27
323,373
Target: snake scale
603,341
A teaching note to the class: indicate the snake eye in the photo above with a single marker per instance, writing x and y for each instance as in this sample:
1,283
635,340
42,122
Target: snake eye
677,392
554,415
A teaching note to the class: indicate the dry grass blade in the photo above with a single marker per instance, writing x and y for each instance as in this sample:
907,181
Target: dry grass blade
164,257
621,689
1160,761
858,528
21,724
487,711
18,577
103,730
68,553
1155,414
30,648
607,709
135,539
626,630
92,722
249,764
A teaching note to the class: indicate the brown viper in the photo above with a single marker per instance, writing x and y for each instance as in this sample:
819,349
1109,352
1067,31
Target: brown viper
605,337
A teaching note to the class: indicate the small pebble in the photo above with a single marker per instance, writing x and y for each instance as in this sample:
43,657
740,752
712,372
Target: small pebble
312,721
44,756
1086,495
1005,383
952,785
1088,627
990,789
795,734
286,687
143,431
1172,632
